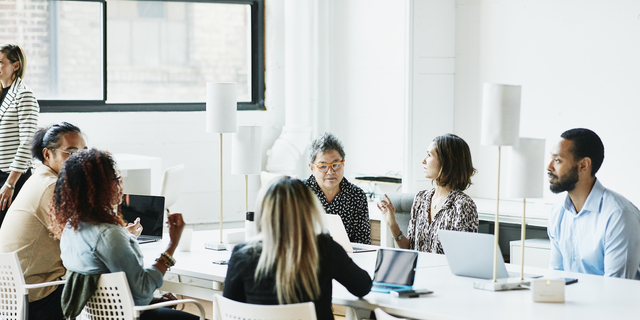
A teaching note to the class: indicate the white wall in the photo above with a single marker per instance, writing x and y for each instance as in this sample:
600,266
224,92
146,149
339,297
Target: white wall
578,64
179,137
366,81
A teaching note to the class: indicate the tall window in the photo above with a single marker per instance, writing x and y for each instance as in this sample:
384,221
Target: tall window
127,55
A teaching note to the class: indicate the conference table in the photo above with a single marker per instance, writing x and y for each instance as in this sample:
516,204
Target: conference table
453,297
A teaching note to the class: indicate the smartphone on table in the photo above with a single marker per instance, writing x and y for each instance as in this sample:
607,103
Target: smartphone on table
409,293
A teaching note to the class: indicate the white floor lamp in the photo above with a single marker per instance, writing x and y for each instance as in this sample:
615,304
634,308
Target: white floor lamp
500,127
525,174
222,107
246,158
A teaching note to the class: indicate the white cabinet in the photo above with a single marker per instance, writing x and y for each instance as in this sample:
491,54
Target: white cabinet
536,252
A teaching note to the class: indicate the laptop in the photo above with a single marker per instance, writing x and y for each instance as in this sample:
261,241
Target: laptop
395,270
150,209
339,234
470,254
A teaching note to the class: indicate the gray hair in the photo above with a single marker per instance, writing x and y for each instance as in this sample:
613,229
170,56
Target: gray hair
324,143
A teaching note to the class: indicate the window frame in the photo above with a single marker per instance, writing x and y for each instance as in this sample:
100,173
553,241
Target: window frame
257,73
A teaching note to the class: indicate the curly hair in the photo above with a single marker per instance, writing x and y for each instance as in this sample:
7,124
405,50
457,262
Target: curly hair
87,190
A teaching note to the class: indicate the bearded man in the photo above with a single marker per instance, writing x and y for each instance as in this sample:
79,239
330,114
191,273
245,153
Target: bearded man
594,230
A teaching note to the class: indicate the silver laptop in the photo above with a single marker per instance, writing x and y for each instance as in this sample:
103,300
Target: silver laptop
339,233
395,270
150,210
471,255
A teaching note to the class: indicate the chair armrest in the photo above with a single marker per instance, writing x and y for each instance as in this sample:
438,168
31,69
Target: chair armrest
171,303
44,284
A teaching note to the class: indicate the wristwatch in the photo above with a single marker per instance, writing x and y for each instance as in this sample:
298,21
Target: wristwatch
399,237
9,186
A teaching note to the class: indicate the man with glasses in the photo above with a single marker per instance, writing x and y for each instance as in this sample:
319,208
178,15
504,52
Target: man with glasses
25,229
337,195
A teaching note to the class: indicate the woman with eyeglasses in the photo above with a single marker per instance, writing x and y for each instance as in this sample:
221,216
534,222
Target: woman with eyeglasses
336,194
445,206
93,238
291,260
18,121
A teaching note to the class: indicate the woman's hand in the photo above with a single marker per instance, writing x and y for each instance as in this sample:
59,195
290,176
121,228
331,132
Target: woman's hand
135,228
388,211
6,194
176,225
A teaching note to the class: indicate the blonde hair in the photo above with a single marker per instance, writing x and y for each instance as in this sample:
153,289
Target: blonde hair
289,221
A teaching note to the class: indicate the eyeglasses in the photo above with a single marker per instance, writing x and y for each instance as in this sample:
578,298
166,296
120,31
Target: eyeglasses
70,153
324,167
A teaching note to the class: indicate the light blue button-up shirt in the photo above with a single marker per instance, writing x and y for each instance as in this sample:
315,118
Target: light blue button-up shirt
107,248
603,238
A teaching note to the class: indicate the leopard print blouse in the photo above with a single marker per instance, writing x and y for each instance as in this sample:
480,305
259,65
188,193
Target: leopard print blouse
458,212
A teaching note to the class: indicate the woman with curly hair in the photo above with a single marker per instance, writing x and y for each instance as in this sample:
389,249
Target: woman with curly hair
94,240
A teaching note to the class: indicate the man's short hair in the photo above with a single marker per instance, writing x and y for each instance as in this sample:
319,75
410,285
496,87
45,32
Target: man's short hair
586,143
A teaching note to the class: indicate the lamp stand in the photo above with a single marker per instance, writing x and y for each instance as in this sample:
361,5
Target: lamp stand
219,246
523,231
246,192
498,284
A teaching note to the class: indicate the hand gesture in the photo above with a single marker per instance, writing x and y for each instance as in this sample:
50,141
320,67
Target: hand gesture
176,225
388,211
135,228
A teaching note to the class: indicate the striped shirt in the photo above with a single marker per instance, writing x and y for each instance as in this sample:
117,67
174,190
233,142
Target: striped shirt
18,122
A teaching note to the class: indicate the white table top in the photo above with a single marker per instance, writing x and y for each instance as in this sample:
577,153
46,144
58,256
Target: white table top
197,263
592,297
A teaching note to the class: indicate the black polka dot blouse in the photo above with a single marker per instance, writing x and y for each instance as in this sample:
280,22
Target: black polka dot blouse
351,205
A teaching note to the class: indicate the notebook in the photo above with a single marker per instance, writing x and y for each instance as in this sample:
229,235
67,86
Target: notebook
150,209
339,233
395,270
471,255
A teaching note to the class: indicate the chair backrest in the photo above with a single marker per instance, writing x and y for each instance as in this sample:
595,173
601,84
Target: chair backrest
381,315
230,309
12,293
112,299
172,185
402,201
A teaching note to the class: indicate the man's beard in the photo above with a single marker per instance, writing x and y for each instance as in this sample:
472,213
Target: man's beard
565,183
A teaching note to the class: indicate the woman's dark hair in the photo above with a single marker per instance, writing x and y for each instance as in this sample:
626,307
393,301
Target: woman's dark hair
86,191
456,167
49,138
586,143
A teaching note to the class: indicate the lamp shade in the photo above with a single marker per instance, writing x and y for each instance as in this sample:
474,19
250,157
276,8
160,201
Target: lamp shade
246,150
500,115
526,169
221,107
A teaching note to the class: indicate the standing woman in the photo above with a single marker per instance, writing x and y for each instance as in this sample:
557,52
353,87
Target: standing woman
18,121
291,261
445,207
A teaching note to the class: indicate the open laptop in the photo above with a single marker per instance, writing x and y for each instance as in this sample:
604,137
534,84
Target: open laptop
395,270
150,209
339,234
470,254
